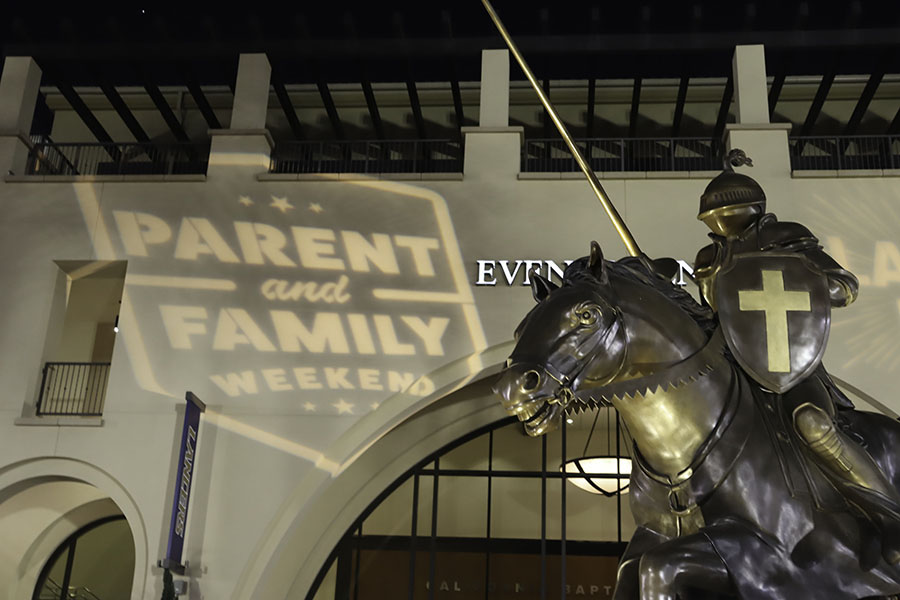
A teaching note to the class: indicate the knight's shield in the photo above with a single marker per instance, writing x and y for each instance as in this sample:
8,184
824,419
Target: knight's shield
775,313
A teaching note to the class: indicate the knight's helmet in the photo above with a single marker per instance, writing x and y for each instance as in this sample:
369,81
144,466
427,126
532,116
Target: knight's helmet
732,201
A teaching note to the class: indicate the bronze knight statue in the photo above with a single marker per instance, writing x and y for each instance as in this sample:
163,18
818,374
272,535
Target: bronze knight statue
748,483
726,505
755,478
733,207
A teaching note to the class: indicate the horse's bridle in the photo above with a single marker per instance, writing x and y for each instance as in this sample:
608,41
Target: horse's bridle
572,368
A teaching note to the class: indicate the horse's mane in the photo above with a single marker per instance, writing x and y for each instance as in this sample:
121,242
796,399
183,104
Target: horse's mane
634,269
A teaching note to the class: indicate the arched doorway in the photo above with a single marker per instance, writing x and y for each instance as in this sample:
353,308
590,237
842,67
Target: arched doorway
489,515
94,563
47,504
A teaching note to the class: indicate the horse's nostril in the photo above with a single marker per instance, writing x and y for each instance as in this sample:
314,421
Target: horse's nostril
530,380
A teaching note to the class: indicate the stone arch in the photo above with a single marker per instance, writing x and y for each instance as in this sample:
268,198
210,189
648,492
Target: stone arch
60,495
299,540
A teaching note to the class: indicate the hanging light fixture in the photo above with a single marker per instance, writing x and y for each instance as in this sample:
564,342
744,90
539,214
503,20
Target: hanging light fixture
605,474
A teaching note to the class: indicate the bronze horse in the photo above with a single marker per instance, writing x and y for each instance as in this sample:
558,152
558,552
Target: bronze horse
726,504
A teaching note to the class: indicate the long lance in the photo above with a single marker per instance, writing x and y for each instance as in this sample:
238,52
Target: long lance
611,211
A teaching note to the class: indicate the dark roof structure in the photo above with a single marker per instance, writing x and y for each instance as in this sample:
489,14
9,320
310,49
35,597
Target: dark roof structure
583,46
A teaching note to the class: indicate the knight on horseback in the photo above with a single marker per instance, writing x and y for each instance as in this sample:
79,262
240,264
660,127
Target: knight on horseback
750,246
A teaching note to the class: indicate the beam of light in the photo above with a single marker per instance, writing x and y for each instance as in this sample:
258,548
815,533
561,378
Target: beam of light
417,296
451,251
462,295
103,247
853,228
401,405
369,429
271,440
191,283
90,268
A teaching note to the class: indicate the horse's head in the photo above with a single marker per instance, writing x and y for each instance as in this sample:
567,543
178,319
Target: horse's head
574,334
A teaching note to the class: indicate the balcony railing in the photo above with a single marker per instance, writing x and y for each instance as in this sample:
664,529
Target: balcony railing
836,153
381,156
48,158
72,388
54,591
616,155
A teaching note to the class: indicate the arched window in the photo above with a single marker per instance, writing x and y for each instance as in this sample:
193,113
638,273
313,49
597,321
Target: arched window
94,563
490,515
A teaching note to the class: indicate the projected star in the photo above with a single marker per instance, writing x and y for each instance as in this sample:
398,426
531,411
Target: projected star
309,407
315,207
245,200
281,204
343,407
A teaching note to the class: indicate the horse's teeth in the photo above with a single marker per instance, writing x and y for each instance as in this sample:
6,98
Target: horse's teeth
526,411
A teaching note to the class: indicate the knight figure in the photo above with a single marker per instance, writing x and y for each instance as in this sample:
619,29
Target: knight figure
772,287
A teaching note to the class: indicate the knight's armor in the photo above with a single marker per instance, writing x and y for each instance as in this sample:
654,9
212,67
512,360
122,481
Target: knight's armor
767,233
733,207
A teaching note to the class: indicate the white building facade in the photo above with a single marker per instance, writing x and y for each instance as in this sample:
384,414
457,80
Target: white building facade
339,327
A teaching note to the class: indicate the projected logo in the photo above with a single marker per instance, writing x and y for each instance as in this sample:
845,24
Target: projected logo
862,237
333,303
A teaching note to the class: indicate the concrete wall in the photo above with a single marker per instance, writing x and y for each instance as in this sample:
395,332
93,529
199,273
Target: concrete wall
91,303
318,400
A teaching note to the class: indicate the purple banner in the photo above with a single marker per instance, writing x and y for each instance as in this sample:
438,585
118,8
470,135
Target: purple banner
184,477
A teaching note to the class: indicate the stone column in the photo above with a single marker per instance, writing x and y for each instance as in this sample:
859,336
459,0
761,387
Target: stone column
19,87
494,106
493,148
251,92
749,72
766,143
246,146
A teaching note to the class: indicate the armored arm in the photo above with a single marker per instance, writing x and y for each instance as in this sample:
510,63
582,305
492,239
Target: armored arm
704,271
843,286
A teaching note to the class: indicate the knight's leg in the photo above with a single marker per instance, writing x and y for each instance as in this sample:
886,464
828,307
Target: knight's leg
688,562
847,460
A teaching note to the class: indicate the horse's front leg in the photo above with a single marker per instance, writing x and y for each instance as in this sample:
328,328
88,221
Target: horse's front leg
687,562
628,576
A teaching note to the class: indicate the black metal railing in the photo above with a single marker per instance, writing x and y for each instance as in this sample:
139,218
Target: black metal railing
836,153
48,158
377,156
624,154
54,591
73,388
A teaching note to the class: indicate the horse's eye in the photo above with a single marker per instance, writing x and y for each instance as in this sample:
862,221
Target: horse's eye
588,316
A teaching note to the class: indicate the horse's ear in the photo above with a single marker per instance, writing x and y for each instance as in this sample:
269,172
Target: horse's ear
541,287
595,262
666,267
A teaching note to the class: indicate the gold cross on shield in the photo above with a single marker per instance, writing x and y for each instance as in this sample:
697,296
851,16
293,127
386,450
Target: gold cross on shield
776,302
